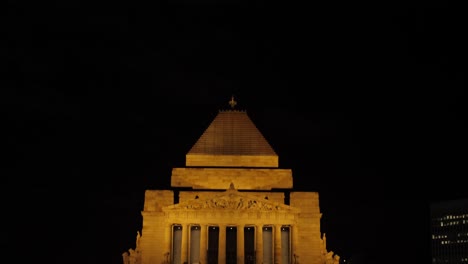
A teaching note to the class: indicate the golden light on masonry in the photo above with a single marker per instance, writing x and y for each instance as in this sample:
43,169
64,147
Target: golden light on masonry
247,222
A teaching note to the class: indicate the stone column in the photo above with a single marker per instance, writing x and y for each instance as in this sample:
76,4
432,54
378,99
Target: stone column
168,242
176,250
240,244
259,244
222,244
203,243
194,247
185,241
295,241
277,235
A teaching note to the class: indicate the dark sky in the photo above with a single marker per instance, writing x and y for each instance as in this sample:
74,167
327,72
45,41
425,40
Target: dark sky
365,104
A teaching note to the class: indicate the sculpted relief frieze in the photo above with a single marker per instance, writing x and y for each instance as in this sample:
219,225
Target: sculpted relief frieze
232,202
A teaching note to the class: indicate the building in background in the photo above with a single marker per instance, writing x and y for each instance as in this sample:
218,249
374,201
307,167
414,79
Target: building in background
449,232
229,205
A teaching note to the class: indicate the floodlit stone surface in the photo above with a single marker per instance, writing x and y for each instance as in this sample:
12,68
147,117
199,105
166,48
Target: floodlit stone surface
232,140
231,161
233,213
221,178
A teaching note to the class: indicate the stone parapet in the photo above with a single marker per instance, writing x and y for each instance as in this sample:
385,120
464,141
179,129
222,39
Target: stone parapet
231,160
308,202
242,178
157,199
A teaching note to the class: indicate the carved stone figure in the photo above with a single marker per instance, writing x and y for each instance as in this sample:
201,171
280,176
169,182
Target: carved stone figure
125,257
336,259
137,239
324,240
323,248
329,258
134,257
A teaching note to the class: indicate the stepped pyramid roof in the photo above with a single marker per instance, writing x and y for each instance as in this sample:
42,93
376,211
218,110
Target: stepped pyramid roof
232,140
232,151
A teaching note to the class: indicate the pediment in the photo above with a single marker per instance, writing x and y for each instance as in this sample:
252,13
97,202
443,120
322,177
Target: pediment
230,200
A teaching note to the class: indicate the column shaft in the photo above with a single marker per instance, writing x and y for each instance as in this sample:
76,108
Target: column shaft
259,244
167,242
277,235
240,244
185,239
203,243
295,241
222,244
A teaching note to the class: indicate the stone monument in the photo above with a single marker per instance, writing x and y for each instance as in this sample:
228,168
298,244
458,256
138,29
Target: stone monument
232,208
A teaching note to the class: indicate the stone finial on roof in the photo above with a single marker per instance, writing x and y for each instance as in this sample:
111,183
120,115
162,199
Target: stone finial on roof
232,102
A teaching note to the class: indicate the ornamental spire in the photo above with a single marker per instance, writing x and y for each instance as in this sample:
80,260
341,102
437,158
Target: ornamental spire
232,102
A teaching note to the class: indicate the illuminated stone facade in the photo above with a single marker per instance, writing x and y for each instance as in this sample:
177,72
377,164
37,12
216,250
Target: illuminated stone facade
234,212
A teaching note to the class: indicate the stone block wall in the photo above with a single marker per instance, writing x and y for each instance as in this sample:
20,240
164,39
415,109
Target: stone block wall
307,236
156,233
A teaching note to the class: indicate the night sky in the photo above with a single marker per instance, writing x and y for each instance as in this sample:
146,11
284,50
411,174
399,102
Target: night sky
365,105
